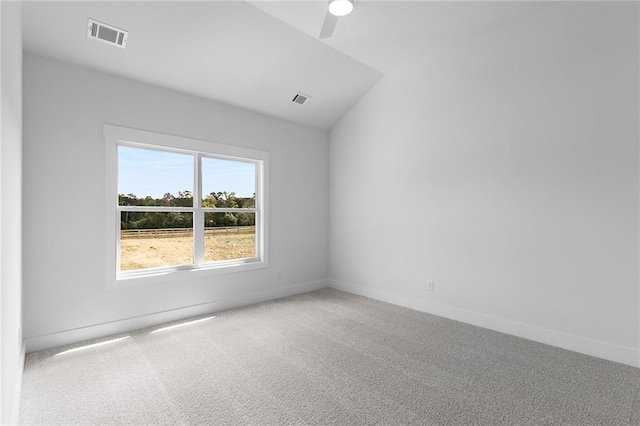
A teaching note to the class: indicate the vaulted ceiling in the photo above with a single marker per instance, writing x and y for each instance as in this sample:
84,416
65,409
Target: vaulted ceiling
257,55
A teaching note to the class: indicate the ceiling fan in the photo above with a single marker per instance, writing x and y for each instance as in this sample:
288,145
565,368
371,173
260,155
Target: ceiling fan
336,9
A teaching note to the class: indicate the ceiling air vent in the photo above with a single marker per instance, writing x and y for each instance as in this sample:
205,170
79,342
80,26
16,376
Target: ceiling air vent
301,99
107,33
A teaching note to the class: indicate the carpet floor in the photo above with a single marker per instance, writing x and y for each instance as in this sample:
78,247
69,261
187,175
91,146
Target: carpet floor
325,358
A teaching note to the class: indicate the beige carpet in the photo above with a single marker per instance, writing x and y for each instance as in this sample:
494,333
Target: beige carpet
326,358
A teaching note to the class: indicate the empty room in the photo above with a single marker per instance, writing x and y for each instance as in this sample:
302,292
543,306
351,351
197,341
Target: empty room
320,212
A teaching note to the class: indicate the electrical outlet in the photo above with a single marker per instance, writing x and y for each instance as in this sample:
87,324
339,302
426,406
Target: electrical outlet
278,274
431,285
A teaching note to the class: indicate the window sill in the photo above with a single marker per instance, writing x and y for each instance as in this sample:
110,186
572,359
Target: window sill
182,273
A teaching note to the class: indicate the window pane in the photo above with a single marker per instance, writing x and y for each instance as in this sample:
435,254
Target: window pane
155,239
227,183
148,177
229,236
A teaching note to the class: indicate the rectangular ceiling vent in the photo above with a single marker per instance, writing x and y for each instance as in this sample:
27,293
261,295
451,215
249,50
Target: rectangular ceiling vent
301,99
107,33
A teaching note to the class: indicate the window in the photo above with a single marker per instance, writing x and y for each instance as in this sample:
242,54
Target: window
179,206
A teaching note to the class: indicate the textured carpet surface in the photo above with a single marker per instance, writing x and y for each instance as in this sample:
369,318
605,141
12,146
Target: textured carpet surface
327,358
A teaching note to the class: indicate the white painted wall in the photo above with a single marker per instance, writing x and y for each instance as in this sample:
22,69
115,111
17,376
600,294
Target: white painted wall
505,169
11,345
64,247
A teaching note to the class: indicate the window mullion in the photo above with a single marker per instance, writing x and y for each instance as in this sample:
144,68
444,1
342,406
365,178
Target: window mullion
161,209
198,214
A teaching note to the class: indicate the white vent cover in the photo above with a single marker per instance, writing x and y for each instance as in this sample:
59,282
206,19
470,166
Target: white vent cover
301,99
107,33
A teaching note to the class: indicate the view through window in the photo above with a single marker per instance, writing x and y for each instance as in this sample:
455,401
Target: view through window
181,208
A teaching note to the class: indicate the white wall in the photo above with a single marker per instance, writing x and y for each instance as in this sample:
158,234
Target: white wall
64,179
11,345
505,169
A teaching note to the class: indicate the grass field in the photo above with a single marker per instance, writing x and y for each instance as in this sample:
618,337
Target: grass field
139,253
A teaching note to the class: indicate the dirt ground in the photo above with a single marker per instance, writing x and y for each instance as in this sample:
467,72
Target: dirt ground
139,253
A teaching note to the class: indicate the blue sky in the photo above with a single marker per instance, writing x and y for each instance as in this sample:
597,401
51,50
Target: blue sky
148,172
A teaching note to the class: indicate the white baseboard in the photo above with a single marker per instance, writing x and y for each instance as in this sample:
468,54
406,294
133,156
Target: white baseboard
596,348
65,337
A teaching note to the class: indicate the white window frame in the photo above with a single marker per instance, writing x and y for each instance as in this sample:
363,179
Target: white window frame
115,136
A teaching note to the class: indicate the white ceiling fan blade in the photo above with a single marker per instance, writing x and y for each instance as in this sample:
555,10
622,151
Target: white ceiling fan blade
329,25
